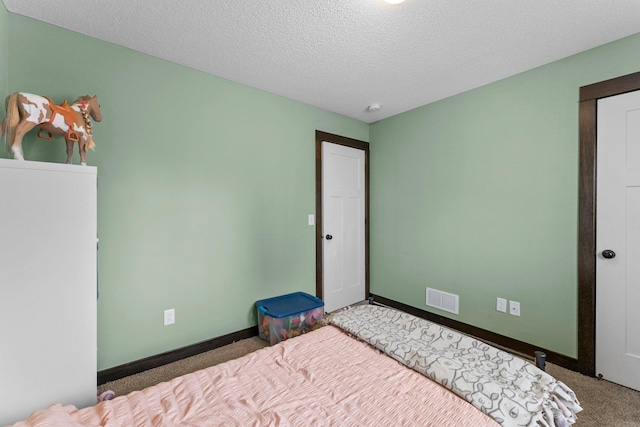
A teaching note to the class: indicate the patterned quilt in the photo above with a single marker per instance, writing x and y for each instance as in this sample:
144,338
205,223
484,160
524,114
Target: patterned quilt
507,388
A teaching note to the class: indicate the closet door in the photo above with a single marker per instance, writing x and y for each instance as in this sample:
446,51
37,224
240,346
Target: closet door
47,286
618,240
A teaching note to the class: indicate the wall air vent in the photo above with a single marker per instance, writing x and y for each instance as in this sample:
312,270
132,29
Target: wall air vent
442,300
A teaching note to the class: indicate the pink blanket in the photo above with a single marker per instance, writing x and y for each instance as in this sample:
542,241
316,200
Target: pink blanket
323,378
509,389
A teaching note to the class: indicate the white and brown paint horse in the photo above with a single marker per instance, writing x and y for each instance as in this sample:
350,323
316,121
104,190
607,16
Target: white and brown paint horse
26,111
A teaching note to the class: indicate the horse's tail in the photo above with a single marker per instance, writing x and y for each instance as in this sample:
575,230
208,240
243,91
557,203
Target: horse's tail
12,119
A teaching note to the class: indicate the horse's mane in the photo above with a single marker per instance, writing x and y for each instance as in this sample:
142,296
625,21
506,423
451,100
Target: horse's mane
85,98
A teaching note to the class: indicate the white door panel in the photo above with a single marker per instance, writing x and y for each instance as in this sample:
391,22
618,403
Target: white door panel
618,229
343,213
632,298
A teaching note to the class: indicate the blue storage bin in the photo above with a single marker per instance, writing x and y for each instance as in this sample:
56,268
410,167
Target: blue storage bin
287,316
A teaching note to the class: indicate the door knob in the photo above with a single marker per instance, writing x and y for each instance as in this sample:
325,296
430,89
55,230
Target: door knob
329,237
608,254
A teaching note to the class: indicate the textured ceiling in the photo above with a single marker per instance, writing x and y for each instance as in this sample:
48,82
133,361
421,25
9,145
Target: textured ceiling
343,55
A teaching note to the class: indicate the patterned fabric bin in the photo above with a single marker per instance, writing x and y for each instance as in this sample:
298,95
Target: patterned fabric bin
288,316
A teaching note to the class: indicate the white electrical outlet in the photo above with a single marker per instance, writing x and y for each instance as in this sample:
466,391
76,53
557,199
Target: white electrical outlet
501,305
514,308
312,220
169,317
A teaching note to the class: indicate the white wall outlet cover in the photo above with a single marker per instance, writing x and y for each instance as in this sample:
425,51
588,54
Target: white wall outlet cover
312,219
501,305
169,317
514,308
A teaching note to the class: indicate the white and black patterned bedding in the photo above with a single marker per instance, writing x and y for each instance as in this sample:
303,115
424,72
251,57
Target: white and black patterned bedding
509,389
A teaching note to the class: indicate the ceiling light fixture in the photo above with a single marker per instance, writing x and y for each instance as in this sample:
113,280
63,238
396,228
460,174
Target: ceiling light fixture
373,108
394,1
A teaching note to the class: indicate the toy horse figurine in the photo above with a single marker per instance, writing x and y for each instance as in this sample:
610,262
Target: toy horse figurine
25,111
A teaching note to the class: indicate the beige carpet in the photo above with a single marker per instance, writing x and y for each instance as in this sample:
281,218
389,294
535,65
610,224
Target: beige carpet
191,364
605,404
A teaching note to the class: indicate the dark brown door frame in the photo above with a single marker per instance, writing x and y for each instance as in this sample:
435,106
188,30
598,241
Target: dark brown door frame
589,96
353,143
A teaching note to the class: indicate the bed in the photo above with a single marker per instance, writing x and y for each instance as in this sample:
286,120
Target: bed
370,366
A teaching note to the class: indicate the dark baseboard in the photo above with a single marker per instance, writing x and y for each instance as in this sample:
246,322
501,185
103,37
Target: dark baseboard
511,344
507,343
151,362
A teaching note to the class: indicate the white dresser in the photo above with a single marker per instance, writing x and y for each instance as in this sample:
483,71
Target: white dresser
48,279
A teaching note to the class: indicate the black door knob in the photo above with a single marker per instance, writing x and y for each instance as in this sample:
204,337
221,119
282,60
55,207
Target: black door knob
329,237
608,254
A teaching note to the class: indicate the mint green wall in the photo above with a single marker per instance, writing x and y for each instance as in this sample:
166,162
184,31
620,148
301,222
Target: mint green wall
204,188
4,72
477,195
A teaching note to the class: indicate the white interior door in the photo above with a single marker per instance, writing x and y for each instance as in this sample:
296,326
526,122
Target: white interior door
618,230
343,227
